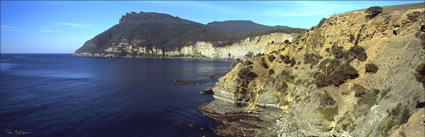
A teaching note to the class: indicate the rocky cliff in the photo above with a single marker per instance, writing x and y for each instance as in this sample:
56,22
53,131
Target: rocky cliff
360,73
147,34
200,49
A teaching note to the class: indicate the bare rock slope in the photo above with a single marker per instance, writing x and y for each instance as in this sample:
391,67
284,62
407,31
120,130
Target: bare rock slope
360,73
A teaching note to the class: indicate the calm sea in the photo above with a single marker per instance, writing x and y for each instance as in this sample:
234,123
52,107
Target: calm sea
60,95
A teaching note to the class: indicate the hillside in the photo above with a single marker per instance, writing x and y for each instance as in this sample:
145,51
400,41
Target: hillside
360,73
242,26
148,34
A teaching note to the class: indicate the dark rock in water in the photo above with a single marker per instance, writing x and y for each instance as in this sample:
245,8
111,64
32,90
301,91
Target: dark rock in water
200,81
185,82
208,90
190,125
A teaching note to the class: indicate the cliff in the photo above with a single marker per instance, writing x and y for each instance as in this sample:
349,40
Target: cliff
200,49
360,73
148,34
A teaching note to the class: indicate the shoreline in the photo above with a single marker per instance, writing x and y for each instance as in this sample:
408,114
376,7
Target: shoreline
160,57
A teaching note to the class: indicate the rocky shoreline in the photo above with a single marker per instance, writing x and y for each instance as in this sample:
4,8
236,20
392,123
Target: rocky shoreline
235,121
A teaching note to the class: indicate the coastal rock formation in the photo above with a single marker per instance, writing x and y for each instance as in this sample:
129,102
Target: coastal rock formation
353,74
201,49
146,34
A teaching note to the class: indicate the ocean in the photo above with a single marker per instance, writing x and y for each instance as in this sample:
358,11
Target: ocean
60,95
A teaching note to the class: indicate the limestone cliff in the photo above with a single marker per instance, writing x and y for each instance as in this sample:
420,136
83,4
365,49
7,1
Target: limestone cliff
251,45
360,73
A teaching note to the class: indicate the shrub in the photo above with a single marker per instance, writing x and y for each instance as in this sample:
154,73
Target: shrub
286,59
335,75
372,12
327,100
264,63
356,52
246,63
359,90
285,75
343,73
321,80
312,58
271,58
371,68
420,73
293,62
337,51
414,16
246,74
369,98
271,71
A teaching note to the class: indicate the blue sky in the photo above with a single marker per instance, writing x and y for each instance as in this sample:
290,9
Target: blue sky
64,26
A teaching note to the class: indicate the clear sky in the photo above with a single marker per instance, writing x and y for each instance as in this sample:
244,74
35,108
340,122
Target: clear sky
64,26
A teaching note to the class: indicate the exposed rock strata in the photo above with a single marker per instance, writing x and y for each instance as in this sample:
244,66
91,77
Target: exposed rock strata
200,49
321,84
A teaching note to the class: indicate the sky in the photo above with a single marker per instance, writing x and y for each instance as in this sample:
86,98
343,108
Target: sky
64,26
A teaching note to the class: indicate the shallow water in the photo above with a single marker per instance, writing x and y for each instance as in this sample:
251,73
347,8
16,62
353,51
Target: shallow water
61,95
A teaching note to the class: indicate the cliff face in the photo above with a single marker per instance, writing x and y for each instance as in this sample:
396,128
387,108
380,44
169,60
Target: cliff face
201,49
359,73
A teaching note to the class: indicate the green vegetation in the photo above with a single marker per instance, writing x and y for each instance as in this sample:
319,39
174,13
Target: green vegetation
371,68
356,52
245,73
286,76
264,63
369,99
271,58
293,62
420,73
336,75
312,59
337,51
326,100
372,12
397,116
359,90
414,16
329,112
385,92
271,71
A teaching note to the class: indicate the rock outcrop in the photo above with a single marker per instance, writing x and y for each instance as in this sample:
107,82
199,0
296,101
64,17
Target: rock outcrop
354,74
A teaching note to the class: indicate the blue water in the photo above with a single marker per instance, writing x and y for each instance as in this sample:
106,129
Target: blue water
60,95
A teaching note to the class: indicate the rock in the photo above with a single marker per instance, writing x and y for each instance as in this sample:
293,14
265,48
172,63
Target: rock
208,90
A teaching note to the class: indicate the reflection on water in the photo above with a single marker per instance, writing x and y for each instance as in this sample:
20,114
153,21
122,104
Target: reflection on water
63,95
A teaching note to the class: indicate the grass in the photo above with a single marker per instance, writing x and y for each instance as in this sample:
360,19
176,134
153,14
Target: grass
329,112
369,99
